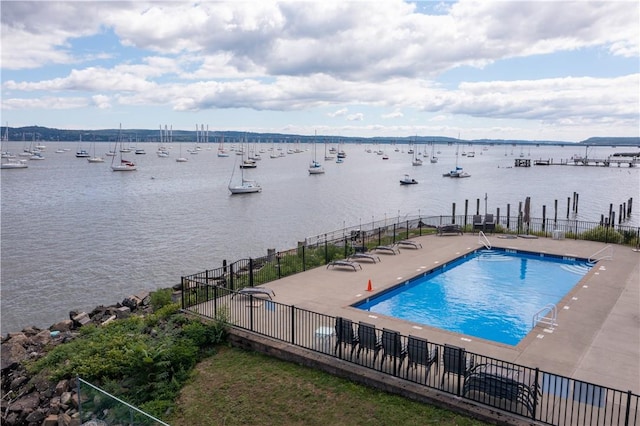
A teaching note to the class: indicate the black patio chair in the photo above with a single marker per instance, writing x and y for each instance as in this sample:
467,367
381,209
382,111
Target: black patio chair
345,335
392,346
418,353
368,340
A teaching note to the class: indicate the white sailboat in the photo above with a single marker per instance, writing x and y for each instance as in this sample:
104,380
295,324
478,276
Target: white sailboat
246,186
123,165
9,160
180,158
433,158
222,152
458,172
315,168
94,158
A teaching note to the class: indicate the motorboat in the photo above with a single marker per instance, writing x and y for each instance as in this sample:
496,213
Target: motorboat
407,180
457,173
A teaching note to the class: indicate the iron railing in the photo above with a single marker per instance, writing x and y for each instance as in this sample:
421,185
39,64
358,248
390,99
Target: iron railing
546,397
530,392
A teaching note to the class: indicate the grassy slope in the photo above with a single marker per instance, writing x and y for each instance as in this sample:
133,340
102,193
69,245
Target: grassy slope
236,387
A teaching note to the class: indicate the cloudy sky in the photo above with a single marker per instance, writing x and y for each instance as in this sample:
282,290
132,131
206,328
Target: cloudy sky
556,70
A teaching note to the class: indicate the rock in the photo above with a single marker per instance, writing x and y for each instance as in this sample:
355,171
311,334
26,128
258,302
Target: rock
108,320
17,382
64,419
26,403
81,319
35,416
42,338
12,353
131,302
144,297
65,398
62,386
62,326
51,420
123,312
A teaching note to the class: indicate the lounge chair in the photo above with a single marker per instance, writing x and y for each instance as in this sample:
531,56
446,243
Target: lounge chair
495,381
344,263
418,354
255,291
449,229
409,243
391,346
455,361
344,336
392,249
368,340
489,222
364,256
478,224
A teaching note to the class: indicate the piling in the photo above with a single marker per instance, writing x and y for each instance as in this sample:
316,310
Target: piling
497,216
508,214
629,206
453,212
555,212
610,214
466,210
620,216
576,204
544,217
568,206
477,206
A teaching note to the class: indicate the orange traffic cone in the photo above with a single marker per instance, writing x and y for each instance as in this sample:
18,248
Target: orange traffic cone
369,288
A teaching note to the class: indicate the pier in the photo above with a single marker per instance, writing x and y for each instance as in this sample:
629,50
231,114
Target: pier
582,161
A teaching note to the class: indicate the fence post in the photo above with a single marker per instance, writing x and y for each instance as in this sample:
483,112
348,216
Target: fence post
215,301
293,325
183,301
250,272
231,274
535,394
394,233
626,414
251,312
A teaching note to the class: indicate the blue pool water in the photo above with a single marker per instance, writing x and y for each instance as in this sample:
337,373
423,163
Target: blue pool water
489,294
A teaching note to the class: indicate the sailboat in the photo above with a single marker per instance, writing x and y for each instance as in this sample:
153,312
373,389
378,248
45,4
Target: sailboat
94,158
246,186
315,168
221,151
180,158
457,172
416,160
123,165
433,159
9,160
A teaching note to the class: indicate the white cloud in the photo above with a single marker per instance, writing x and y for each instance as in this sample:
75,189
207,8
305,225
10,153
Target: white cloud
355,117
395,114
338,113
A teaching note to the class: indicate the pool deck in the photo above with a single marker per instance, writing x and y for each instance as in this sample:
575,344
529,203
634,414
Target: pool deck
597,337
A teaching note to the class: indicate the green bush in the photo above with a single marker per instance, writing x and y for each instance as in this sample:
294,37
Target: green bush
144,361
604,234
160,298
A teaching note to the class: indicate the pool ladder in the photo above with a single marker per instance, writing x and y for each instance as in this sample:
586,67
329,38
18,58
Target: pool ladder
547,315
482,239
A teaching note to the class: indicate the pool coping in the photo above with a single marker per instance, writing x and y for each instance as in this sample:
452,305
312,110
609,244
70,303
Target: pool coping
598,320
473,254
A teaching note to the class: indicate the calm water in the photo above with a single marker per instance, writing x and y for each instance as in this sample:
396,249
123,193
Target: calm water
492,294
76,235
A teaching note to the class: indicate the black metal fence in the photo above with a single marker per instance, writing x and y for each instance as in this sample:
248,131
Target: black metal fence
530,392
539,395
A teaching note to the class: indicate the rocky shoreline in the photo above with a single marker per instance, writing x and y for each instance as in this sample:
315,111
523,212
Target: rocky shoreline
34,401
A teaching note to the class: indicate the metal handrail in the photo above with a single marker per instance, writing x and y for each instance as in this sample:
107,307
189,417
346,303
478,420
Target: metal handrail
482,239
539,317
593,258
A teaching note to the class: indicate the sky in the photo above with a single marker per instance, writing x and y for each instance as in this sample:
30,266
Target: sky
537,70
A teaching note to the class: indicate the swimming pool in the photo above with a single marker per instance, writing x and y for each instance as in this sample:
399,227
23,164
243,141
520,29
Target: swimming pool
489,294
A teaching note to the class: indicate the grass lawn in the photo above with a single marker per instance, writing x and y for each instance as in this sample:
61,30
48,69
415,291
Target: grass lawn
237,387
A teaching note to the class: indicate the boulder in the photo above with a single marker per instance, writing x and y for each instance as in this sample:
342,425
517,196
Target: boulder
12,353
62,326
81,319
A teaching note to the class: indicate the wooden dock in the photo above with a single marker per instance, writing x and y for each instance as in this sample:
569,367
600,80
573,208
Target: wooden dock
581,161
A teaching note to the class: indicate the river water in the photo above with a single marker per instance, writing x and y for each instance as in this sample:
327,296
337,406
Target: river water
75,235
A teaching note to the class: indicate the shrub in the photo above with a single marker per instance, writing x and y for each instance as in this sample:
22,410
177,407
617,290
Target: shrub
604,234
160,298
